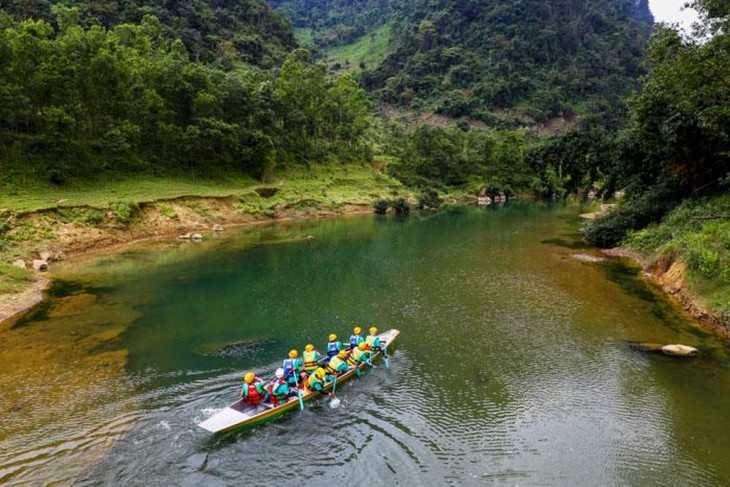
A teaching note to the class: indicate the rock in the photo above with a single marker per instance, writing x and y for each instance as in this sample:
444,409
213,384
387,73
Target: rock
197,237
19,263
45,255
678,350
484,201
52,255
40,265
586,258
186,236
217,227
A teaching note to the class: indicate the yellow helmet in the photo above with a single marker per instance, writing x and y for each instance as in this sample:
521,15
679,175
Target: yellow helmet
309,347
373,330
248,378
293,354
363,346
333,337
342,354
357,330
319,373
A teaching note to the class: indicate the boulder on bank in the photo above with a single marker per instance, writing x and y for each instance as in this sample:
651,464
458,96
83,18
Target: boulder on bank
40,265
675,350
19,263
678,350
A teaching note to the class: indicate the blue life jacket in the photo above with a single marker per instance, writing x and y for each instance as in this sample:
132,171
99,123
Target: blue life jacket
333,348
289,365
355,341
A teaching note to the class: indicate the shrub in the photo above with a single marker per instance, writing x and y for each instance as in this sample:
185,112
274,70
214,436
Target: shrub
401,206
380,206
124,212
429,199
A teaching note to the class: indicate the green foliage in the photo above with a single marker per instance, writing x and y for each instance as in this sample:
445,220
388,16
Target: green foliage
124,212
13,279
400,205
213,32
381,205
429,199
81,102
677,142
431,156
697,231
168,211
475,58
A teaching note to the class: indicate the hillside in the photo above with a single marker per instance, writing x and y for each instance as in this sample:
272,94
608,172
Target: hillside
469,58
225,32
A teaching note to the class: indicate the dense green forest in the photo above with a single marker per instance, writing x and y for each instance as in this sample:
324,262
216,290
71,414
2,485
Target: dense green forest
541,59
80,100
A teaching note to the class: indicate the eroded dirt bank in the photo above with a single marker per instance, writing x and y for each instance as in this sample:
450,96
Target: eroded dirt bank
670,273
54,232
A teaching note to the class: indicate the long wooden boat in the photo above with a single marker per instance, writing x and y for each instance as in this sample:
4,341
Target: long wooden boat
241,414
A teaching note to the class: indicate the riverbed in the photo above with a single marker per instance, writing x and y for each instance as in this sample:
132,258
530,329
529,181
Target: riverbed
514,364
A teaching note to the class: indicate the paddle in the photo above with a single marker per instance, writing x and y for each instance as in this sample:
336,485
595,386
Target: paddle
299,391
335,402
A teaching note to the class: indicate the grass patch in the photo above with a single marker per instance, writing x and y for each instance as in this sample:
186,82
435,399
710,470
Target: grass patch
369,50
13,279
698,231
35,197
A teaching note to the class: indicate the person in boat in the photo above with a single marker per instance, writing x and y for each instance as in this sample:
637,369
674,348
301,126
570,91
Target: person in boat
315,382
358,356
338,364
311,359
333,346
372,340
292,369
356,338
253,390
279,388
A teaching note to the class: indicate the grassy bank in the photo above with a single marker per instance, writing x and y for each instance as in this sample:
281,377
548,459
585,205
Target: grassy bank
90,215
695,236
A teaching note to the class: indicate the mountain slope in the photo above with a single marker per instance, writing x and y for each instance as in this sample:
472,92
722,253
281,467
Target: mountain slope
543,58
236,30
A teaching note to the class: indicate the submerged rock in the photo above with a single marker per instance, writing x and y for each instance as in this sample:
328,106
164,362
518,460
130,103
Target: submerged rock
236,349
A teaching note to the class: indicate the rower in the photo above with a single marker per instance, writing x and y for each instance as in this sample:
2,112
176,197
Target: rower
372,340
252,390
279,388
292,368
311,358
356,338
359,355
337,364
333,346
315,382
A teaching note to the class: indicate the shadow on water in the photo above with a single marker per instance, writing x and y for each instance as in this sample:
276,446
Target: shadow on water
568,244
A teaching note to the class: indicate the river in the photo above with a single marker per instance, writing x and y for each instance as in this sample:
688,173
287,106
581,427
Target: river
513,366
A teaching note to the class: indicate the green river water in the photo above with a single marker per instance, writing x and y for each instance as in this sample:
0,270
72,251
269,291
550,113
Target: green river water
513,366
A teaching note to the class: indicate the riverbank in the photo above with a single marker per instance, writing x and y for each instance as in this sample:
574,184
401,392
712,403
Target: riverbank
670,273
53,225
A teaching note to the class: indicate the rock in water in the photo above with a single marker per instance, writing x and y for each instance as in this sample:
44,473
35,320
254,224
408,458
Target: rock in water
678,350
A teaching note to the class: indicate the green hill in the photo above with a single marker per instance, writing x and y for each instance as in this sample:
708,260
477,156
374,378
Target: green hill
470,58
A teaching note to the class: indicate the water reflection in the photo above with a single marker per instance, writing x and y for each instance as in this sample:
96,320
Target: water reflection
512,366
